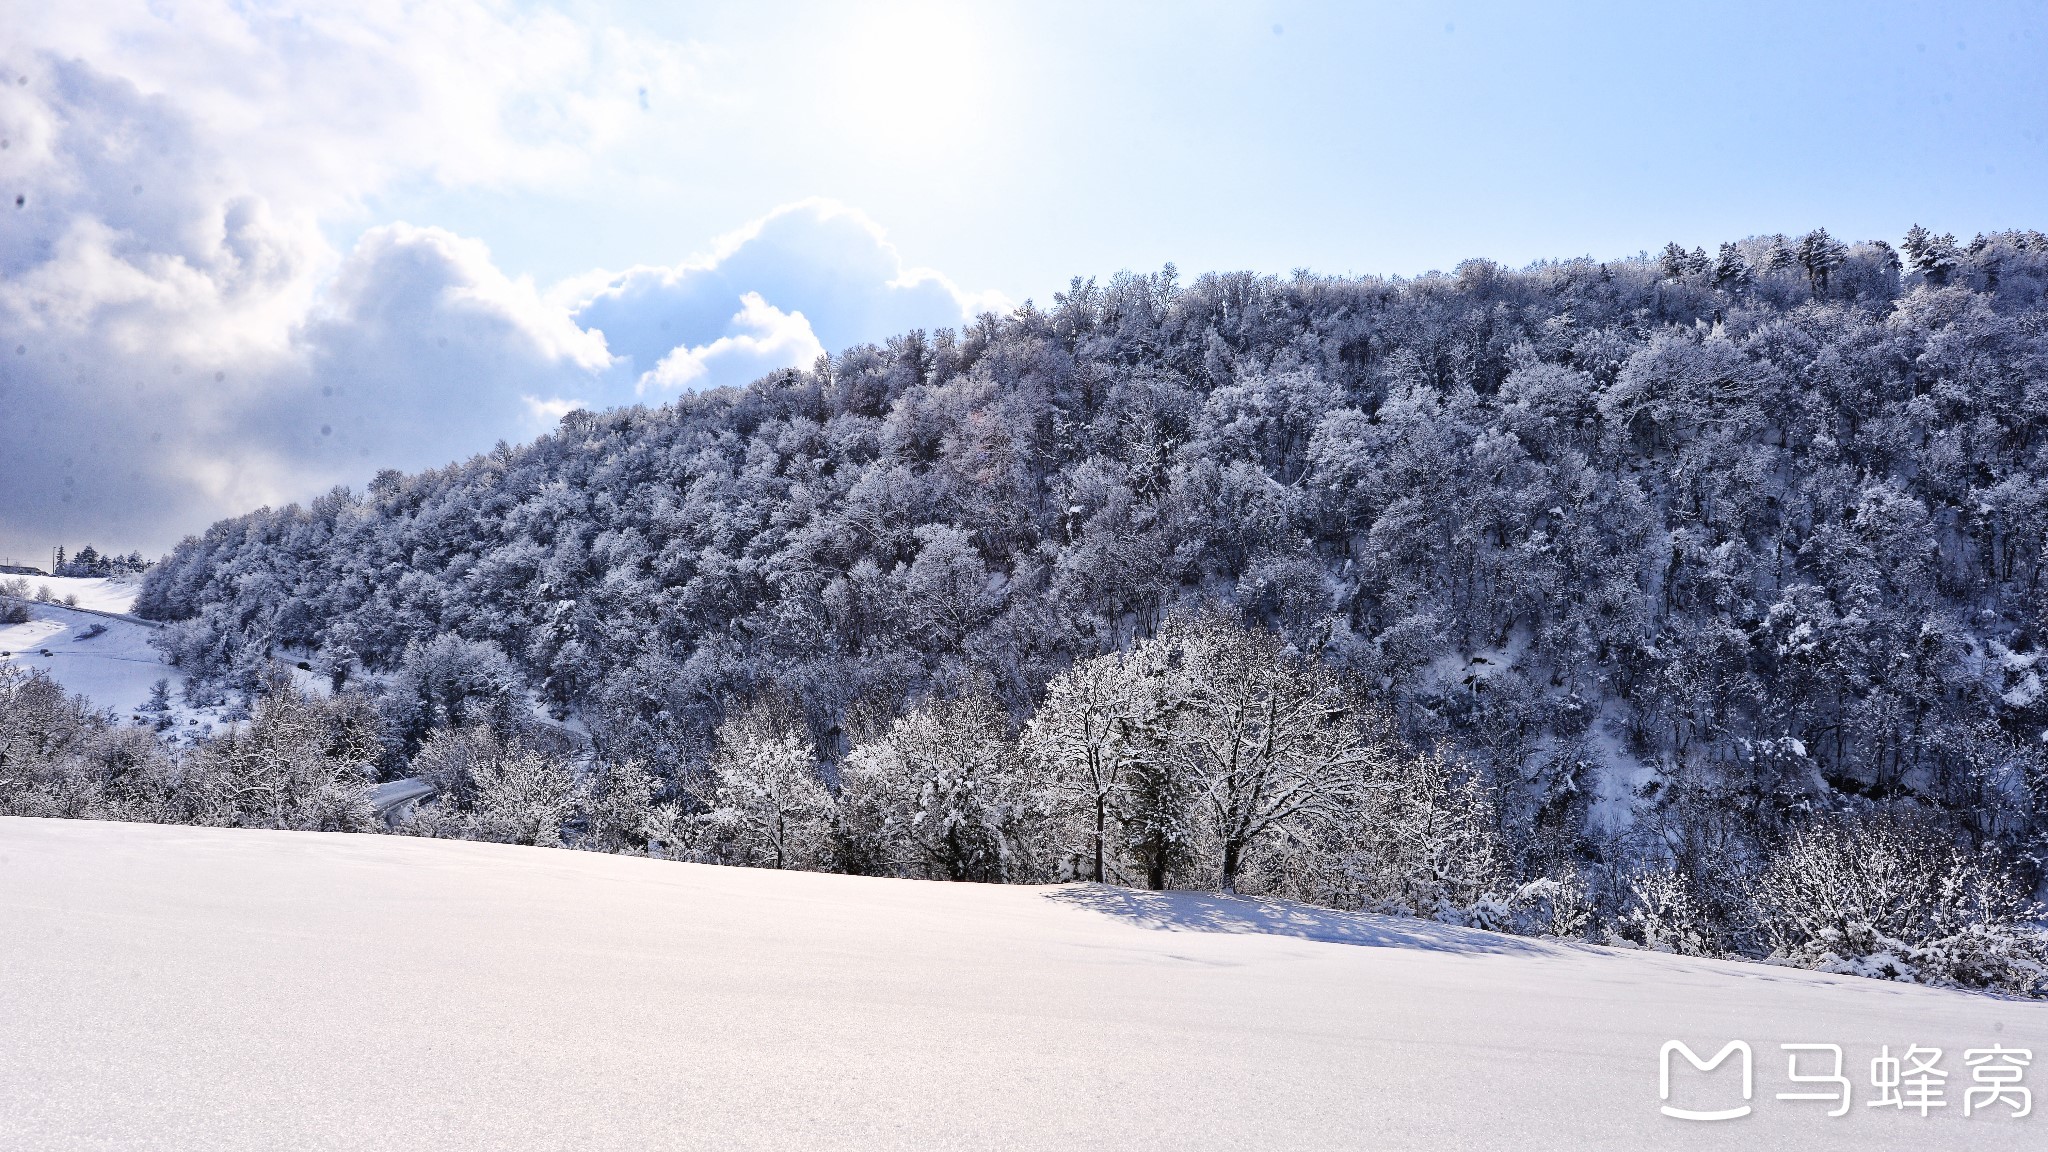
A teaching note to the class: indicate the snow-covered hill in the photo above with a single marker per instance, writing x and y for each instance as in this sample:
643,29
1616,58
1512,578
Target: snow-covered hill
179,987
108,661
92,648
95,593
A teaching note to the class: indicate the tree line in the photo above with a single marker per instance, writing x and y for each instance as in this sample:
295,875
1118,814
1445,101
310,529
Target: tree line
1208,755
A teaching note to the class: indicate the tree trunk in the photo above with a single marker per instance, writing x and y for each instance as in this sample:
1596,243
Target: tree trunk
1101,821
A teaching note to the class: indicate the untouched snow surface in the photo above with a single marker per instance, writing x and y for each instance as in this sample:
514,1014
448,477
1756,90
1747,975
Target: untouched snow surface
182,988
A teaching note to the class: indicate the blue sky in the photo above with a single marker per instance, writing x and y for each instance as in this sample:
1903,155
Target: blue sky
1016,145
265,249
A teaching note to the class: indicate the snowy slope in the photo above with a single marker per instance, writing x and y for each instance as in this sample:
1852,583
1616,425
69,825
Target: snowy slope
179,987
113,669
105,659
99,593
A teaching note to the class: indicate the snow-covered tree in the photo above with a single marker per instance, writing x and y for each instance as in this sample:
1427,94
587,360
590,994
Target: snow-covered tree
1081,744
1426,840
769,807
619,812
300,762
524,795
940,795
1660,912
1731,271
1934,257
1820,254
1887,900
1270,740
451,682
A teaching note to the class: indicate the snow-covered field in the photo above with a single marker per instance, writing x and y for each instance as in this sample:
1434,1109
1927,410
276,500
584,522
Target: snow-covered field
181,988
99,593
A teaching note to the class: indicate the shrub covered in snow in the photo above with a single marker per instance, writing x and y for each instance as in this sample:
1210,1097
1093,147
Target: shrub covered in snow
1892,900
298,762
1661,913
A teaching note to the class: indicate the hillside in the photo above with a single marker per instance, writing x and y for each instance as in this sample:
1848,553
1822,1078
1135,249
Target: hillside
246,989
1758,534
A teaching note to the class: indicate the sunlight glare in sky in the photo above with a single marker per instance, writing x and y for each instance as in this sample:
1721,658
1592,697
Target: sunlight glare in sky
911,74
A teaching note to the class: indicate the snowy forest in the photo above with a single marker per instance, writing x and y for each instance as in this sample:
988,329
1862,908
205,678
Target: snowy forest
1688,602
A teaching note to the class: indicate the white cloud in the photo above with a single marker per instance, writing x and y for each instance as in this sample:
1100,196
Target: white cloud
549,410
422,351
182,338
401,278
328,102
817,257
767,338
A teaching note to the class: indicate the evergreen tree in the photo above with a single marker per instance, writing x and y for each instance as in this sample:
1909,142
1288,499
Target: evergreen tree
1821,254
1731,270
1934,257
1676,261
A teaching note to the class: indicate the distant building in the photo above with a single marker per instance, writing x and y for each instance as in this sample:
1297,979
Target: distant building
20,570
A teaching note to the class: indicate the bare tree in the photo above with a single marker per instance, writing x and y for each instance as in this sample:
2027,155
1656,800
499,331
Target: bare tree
1273,739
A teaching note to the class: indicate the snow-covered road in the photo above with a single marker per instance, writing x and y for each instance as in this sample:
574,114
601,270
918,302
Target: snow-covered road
182,988
390,798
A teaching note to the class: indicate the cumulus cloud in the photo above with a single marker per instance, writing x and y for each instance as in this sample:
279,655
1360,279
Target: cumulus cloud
767,338
819,258
419,348
179,347
182,337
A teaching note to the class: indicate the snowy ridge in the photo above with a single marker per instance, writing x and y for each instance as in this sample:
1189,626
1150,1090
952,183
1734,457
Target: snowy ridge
1682,556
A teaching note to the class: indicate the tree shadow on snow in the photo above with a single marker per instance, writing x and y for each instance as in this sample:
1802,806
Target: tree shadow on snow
1214,912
